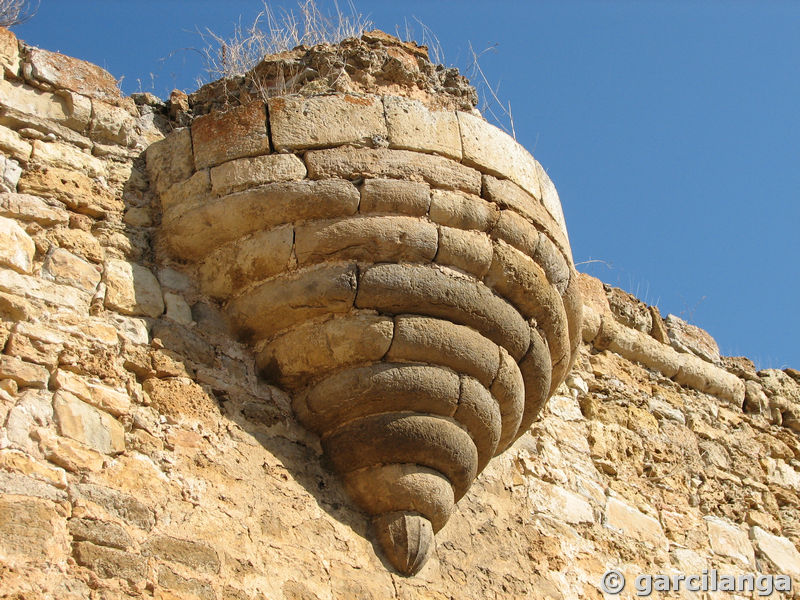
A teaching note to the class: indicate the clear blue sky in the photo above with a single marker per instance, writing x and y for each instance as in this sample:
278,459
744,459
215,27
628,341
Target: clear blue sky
671,130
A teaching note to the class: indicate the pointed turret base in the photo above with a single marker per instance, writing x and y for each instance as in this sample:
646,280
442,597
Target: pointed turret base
406,539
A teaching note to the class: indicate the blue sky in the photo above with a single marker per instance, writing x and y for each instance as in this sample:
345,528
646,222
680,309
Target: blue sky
671,130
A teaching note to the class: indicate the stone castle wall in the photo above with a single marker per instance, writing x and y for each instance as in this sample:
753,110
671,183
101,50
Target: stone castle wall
141,455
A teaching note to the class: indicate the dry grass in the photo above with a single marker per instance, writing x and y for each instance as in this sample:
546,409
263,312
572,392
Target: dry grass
273,32
15,12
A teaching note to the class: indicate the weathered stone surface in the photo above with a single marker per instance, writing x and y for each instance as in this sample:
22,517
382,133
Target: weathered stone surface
24,207
86,424
66,156
194,232
35,107
703,376
685,337
29,287
64,267
352,163
110,562
729,540
169,161
220,137
634,345
177,308
413,126
132,289
236,175
629,310
778,550
10,172
102,533
194,554
299,123
443,293
559,503
395,196
462,211
435,341
238,264
639,526
312,349
9,52
470,251
25,374
292,298
194,189
73,74
20,462
16,246
366,238
31,530
76,190
112,124
493,151
13,145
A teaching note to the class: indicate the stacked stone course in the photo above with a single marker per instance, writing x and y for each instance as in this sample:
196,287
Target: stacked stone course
142,457
396,268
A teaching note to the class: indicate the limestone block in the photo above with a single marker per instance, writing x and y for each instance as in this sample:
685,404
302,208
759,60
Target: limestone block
236,175
169,161
517,231
79,242
629,310
560,503
132,289
425,340
195,189
635,524
10,172
16,246
233,266
778,550
79,192
462,211
194,232
509,195
31,529
102,533
479,414
293,298
508,388
25,374
24,207
395,196
366,238
112,124
72,298
352,163
519,279
703,376
729,540
443,293
319,347
197,555
110,562
470,251
300,122
13,145
64,267
19,462
73,74
493,151
84,423
9,52
31,102
177,308
412,126
685,337
635,345
223,136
